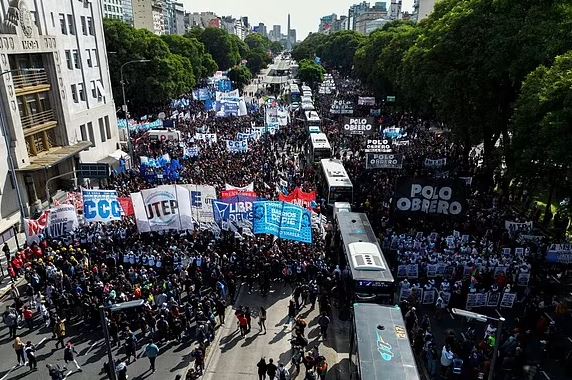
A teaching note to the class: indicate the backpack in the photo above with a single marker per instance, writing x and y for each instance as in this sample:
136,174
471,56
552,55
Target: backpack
282,375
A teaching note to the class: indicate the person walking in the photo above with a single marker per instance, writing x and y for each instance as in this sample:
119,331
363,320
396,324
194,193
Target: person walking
11,320
152,351
69,355
291,311
60,331
282,372
248,318
261,369
271,369
324,322
19,348
30,352
131,346
262,319
242,325
121,370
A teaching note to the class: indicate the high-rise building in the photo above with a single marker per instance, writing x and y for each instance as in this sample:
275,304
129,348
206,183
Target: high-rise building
422,9
292,36
395,10
261,29
56,105
151,15
174,17
127,8
277,32
112,9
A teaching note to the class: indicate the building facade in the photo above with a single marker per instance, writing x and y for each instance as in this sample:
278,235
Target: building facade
422,9
127,7
112,9
56,103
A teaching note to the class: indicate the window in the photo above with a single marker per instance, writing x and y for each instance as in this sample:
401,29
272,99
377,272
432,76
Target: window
89,62
101,129
107,127
83,26
90,130
93,89
53,21
81,92
69,59
95,57
90,26
63,26
74,93
44,100
83,132
71,24
76,62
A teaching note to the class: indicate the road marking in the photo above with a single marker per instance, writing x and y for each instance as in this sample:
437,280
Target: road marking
41,341
570,339
451,314
92,346
6,375
545,375
70,372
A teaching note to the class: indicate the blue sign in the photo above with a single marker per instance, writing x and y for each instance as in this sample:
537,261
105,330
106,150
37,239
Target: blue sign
283,220
237,146
393,133
224,85
101,206
235,209
203,94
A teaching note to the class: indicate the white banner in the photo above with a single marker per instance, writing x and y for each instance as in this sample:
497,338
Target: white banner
237,146
249,187
101,205
166,207
202,197
62,220
207,137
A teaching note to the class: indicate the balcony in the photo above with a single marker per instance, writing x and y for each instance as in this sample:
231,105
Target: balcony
31,82
38,122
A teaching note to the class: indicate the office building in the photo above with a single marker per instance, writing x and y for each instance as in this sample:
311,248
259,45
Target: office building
127,7
422,9
276,33
112,9
60,112
151,15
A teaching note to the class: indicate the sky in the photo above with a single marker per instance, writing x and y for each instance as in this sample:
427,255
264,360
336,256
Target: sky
305,14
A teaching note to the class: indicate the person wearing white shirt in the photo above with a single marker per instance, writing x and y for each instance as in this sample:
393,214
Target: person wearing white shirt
446,358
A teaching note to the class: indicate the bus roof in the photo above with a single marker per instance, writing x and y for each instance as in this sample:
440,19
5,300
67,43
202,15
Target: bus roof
312,116
294,88
320,140
335,173
364,255
306,88
383,353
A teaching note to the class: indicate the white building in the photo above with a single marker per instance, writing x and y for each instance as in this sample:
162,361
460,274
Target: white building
60,114
112,9
422,9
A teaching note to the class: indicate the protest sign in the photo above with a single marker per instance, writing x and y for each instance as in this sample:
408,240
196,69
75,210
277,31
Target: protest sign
164,207
378,146
366,101
283,220
235,209
237,146
299,197
517,227
359,126
434,197
559,253
101,205
507,300
383,161
439,163
62,220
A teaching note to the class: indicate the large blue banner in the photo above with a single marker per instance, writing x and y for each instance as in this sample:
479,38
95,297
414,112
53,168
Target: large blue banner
101,205
283,220
224,85
235,209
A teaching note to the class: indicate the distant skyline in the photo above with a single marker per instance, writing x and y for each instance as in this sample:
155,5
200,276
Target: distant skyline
305,14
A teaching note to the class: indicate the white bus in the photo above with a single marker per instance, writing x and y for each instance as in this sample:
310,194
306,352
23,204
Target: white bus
317,148
312,119
336,184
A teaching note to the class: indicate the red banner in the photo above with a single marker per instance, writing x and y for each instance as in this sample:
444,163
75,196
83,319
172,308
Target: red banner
233,193
34,227
127,206
299,198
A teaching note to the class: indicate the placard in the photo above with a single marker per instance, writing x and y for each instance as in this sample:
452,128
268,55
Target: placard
432,270
471,300
412,271
359,126
402,271
507,300
494,298
404,294
429,297
429,196
500,270
522,279
482,299
378,146
417,293
446,296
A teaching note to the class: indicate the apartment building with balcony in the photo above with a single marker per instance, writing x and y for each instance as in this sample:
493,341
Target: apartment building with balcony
55,99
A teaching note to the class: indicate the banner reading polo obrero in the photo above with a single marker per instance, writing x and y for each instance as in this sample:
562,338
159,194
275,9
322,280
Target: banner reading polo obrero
166,207
299,198
359,126
101,205
429,196
283,220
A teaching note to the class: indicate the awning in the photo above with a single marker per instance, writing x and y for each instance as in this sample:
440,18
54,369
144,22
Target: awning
276,79
113,158
55,156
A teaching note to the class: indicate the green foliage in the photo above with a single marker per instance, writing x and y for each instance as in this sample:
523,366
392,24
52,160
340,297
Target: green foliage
189,47
222,47
542,127
339,49
310,73
310,47
240,75
276,47
257,41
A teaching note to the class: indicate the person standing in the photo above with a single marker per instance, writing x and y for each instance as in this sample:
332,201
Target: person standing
152,351
271,369
324,322
69,355
248,318
242,325
30,352
262,319
60,331
291,311
282,373
11,320
261,369
19,348
131,346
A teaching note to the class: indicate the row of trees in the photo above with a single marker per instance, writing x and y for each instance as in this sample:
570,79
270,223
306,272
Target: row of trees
488,69
177,64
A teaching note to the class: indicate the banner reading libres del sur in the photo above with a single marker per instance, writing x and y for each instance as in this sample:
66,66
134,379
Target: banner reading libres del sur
283,220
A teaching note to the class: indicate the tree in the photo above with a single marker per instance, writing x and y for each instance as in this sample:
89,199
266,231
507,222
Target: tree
257,59
310,72
257,41
240,76
220,45
310,47
276,48
542,133
189,47
339,49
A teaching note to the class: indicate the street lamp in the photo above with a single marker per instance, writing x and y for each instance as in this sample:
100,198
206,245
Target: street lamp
8,142
485,318
125,102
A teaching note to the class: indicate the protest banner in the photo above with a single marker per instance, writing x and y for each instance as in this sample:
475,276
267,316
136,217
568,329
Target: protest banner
166,207
201,198
237,146
101,205
378,146
126,206
493,299
439,163
383,161
283,220
517,227
359,126
429,297
393,133
559,253
429,196
235,209
62,220
299,197
507,300
34,228
366,101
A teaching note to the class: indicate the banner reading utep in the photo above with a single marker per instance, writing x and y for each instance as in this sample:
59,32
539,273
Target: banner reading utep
429,196
101,205
62,220
359,126
201,197
283,220
166,207
299,198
